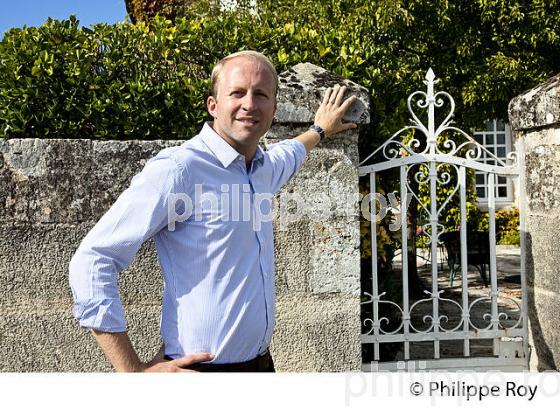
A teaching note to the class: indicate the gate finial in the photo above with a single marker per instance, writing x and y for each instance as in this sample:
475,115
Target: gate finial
431,137
430,76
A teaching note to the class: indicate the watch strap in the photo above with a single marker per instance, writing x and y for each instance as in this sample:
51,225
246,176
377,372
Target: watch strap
318,130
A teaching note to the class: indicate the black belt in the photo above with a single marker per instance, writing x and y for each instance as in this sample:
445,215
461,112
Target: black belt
261,363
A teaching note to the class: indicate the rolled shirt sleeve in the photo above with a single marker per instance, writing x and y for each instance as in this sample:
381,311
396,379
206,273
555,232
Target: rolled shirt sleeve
138,214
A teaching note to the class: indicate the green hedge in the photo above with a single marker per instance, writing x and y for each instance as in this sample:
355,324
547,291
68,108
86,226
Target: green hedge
144,81
122,81
134,81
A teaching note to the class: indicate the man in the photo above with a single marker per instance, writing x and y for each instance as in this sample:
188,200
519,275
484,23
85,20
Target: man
218,264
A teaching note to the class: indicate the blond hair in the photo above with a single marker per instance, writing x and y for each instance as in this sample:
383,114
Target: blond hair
259,57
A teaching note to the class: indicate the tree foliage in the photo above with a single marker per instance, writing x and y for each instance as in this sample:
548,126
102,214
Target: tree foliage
146,10
484,52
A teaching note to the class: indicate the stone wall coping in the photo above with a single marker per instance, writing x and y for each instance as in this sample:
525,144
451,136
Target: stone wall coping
301,90
537,107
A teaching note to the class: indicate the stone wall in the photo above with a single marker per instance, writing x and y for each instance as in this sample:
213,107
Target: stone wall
535,119
53,191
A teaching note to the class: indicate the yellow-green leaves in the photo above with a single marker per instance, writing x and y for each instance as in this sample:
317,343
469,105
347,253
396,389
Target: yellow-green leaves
121,81
282,56
323,51
289,28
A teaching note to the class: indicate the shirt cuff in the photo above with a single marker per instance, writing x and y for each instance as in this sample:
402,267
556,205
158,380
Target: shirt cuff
106,315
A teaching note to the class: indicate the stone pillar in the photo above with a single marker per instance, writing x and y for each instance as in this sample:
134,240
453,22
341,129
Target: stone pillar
317,234
535,119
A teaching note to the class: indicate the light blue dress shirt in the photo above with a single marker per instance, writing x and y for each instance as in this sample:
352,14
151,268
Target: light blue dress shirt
218,264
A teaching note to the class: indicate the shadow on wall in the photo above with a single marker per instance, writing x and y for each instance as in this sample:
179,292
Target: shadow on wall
544,354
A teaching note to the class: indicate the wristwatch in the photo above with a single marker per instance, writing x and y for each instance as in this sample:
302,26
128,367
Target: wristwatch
318,130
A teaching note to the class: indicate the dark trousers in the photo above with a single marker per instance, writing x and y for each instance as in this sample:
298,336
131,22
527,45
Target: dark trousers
262,363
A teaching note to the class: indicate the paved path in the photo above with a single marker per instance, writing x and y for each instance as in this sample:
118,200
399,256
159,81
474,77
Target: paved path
508,268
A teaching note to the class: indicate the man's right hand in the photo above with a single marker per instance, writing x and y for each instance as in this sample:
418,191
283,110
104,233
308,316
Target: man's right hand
123,357
176,365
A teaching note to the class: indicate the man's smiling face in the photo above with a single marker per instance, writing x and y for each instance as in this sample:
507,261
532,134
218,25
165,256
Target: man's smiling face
244,105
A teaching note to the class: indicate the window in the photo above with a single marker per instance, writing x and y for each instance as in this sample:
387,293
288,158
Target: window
496,138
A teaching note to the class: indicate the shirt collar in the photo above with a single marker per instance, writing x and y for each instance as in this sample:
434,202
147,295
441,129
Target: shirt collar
225,153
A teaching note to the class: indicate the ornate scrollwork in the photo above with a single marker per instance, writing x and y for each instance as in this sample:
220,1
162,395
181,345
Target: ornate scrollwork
427,230
442,177
469,149
513,157
438,320
430,318
399,150
484,317
421,177
391,153
505,316
382,319
425,318
445,179
439,103
487,317
460,310
475,152
421,103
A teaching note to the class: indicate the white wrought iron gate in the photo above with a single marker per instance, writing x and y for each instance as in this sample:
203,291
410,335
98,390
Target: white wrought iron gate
427,322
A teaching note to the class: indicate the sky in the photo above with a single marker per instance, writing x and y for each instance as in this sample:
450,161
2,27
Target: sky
16,13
